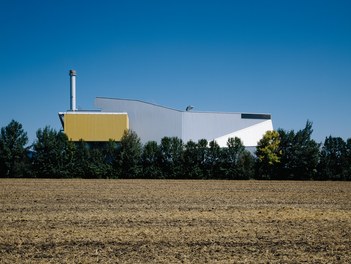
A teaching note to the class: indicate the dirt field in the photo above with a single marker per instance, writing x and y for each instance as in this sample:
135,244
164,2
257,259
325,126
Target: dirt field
155,221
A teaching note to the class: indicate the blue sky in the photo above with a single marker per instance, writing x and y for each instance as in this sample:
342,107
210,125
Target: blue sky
288,58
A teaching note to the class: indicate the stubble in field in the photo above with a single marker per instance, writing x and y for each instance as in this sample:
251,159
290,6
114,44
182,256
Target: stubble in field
163,221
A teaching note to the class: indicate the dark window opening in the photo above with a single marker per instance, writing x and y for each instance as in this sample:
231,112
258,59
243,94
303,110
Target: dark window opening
255,116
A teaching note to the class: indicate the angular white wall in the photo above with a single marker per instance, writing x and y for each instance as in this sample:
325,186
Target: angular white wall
153,122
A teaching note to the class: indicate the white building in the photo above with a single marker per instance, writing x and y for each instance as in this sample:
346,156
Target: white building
153,122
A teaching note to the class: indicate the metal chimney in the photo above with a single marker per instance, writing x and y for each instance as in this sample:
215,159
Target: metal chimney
73,74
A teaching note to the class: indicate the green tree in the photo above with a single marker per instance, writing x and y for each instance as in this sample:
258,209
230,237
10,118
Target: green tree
202,156
348,160
98,166
129,157
236,161
214,161
81,160
300,154
171,157
248,162
192,161
110,153
268,154
54,154
150,161
13,153
94,160
333,164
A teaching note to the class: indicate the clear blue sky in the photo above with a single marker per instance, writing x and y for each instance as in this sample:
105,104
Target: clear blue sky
288,58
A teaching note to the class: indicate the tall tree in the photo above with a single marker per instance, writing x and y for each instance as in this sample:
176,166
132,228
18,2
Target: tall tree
348,160
214,161
300,154
171,157
202,156
236,162
98,167
268,154
192,161
129,157
81,160
150,161
13,153
94,159
54,154
333,163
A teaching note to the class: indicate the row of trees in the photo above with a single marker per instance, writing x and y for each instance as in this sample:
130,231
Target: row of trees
279,155
294,155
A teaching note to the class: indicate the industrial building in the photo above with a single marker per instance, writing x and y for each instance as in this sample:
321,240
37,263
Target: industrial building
152,122
91,126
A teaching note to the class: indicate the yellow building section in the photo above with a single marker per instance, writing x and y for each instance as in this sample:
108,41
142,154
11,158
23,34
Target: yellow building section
95,126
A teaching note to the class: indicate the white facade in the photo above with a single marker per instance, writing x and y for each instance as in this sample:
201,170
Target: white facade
153,122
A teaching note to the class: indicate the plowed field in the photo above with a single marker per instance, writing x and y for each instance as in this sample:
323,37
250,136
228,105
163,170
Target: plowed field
164,221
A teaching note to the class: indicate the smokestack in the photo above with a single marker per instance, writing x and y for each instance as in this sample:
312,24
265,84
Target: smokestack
73,74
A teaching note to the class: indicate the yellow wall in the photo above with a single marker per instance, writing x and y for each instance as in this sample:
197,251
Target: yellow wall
95,127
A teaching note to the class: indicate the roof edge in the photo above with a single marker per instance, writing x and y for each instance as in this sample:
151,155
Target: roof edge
182,111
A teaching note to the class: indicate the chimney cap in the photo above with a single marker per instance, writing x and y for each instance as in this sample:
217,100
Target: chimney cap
72,73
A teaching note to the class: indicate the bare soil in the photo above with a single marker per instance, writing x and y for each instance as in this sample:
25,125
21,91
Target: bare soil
164,221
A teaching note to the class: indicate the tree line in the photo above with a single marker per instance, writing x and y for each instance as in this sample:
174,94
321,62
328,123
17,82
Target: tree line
280,155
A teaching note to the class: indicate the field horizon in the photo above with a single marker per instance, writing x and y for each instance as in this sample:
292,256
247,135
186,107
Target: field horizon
174,221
